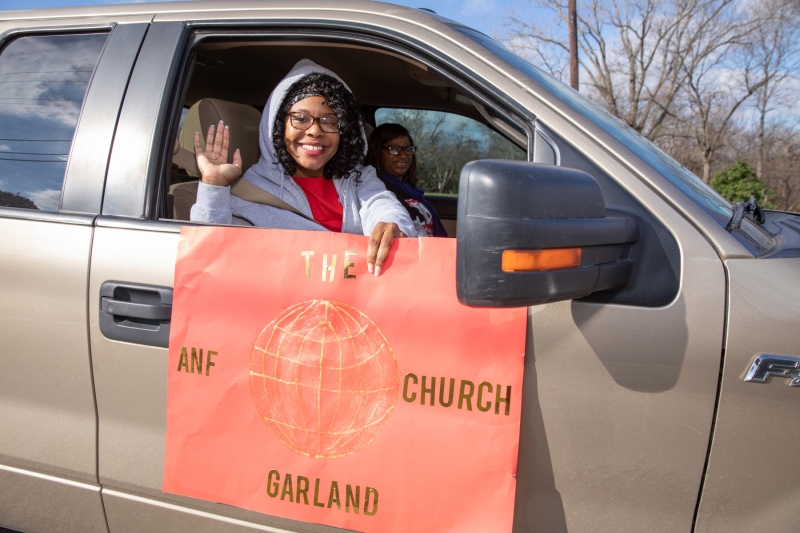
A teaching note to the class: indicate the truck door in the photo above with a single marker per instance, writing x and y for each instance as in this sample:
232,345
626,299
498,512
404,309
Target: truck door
52,168
132,265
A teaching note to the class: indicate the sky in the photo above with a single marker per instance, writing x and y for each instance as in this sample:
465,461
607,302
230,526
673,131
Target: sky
483,15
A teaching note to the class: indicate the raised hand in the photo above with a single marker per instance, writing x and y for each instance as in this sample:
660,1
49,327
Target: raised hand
213,161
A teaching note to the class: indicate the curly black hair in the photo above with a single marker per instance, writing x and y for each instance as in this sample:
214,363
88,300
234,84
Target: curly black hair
351,144
382,135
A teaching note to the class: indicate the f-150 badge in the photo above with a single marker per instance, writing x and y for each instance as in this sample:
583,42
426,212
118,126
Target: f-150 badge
767,365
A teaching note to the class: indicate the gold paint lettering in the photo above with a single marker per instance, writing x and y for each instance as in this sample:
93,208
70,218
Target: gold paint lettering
463,395
413,396
308,255
424,390
347,264
272,484
302,489
329,270
441,393
349,498
317,503
287,488
498,400
488,405
198,361
209,363
333,497
374,510
184,360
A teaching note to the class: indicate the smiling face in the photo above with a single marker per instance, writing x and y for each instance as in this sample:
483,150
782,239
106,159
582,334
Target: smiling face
311,149
396,165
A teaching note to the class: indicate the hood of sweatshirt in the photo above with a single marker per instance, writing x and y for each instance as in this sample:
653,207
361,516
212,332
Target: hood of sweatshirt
268,166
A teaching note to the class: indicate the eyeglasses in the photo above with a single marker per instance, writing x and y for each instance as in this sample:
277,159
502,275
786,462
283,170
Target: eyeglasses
395,150
303,121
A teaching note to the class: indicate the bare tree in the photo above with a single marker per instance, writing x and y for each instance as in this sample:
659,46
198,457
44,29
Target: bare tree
756,65
636,54
683,72
775,44
714,94
782,147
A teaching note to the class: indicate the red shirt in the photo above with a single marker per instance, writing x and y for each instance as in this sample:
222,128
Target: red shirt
324,201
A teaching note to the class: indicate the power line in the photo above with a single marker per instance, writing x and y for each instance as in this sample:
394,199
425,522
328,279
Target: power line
34,160
30,153
37,140
45,81
43,72
38,99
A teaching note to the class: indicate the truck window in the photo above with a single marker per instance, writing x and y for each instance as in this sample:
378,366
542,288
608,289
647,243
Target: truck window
452,125
43,82
446,142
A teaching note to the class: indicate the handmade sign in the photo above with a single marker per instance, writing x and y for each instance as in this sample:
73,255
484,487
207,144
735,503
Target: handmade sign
301,386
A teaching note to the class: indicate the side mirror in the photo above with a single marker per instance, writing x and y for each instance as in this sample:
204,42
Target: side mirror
530,234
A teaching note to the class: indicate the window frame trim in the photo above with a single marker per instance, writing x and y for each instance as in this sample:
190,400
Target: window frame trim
486,94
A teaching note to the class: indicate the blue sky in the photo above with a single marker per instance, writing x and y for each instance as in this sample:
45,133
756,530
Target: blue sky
483,15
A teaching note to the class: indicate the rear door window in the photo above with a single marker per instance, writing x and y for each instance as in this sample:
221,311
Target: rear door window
43,82
445,143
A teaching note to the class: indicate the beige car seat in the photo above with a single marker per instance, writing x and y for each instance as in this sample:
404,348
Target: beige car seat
243,122
368,129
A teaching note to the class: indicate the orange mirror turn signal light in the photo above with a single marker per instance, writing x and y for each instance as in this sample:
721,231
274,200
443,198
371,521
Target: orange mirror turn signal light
540,260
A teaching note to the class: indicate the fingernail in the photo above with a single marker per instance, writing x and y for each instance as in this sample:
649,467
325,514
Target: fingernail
377,271
226,126
369,268
237,149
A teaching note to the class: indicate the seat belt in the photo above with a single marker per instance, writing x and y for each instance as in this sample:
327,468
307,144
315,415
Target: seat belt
253,193
239,187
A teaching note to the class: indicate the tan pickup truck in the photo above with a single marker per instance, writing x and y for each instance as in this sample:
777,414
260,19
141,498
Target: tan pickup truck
660,371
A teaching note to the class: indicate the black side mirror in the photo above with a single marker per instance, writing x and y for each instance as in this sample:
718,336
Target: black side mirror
530,234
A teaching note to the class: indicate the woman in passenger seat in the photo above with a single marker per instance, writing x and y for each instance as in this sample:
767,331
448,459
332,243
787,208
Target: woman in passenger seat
392,152
312,143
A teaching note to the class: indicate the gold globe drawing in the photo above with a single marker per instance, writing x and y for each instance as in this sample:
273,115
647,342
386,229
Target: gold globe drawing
323,378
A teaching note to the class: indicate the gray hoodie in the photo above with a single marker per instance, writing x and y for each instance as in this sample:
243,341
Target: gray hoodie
365,199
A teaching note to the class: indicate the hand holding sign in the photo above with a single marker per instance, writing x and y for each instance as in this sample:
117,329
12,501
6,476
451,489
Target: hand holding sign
380,242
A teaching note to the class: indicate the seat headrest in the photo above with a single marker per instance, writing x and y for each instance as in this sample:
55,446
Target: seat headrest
368,129
242,121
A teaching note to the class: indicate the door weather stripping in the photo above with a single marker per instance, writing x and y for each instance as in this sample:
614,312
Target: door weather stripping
767,365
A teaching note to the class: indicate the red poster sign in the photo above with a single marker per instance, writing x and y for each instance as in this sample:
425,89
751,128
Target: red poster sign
301,386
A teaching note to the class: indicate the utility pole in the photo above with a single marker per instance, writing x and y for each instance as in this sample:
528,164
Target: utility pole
573,44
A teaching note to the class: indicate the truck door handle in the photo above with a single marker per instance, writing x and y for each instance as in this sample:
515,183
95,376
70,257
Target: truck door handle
134,310
136,313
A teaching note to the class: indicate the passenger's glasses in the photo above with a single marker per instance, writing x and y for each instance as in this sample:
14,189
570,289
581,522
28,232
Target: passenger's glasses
303,121
395,150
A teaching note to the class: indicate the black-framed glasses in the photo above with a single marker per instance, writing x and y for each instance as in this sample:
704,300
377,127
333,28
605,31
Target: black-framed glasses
303,121
395,150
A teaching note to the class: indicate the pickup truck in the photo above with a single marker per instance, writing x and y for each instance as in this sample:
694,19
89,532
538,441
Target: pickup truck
660,372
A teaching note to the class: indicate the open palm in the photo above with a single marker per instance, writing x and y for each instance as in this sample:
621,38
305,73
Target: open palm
213,161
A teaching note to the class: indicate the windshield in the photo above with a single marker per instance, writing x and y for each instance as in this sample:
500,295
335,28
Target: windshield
703,195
